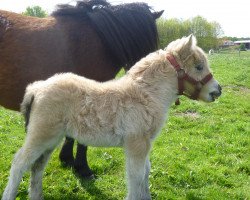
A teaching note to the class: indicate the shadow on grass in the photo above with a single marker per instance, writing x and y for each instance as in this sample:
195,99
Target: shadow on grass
94,191
88,184
90,187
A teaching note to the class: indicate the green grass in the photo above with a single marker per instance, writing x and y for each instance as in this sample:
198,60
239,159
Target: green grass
202,152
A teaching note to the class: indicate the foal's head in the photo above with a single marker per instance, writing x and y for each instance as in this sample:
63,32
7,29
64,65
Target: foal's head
194,76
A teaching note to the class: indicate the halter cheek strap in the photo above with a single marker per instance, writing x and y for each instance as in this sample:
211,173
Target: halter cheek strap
183,76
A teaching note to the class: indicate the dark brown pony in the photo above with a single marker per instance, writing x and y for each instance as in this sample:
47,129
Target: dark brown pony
92,38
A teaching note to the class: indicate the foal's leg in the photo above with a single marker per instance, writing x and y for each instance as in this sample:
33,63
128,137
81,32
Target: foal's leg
66,154
24,158
36,144
138,167
37,174
145,187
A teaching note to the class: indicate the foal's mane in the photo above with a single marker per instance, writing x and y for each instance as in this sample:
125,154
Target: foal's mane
128,31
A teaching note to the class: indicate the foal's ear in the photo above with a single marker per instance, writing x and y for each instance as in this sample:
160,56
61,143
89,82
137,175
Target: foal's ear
188,43
156,15
193,39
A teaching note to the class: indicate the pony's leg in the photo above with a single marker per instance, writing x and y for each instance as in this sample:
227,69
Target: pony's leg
24,158
81,164
66,154
37,175
137,167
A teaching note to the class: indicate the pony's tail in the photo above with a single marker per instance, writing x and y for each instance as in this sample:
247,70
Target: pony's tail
26,107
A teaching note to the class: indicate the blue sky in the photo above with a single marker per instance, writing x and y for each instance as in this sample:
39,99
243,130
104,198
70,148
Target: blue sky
232,15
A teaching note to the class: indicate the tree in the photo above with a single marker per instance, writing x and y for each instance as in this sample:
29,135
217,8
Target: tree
35,11
207,33
172,29
242,47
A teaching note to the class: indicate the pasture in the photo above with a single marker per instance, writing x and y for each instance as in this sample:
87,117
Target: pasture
202,152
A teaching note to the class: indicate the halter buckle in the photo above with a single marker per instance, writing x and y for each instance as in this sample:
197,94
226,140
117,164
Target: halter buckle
181,73
199,86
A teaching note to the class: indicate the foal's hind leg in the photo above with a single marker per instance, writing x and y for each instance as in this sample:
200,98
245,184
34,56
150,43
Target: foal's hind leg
36,144
37,174
24,158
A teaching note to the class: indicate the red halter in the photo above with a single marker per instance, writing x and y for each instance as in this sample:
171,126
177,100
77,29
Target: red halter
182,75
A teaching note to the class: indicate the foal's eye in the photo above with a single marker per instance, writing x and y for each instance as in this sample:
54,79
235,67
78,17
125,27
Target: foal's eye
199,67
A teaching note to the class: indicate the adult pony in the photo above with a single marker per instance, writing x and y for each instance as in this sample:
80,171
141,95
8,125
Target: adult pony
128,113
93,38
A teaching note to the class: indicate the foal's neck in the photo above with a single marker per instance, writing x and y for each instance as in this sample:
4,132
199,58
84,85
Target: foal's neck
155,76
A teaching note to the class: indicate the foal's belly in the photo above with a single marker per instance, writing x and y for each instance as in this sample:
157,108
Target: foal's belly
98,140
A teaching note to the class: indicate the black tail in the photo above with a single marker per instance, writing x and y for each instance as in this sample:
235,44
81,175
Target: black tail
26,112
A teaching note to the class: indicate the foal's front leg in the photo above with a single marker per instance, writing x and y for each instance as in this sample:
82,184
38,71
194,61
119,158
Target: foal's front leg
137,167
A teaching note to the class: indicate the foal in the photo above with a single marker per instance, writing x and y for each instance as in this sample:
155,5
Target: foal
127,113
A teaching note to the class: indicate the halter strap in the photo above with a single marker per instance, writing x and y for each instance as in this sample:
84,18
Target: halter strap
183,76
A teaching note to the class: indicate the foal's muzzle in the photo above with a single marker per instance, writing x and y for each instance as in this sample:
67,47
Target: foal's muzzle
215,94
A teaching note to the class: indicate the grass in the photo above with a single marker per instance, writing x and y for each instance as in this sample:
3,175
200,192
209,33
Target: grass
201,154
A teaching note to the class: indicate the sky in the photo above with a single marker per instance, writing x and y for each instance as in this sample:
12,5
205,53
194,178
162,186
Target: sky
232,15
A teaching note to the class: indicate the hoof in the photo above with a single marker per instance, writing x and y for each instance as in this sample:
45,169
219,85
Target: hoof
89,175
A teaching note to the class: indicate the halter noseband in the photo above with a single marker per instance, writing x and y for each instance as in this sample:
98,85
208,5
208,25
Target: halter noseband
183,76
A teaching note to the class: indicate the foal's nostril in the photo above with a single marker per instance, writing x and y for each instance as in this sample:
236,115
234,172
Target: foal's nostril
220,89
216,94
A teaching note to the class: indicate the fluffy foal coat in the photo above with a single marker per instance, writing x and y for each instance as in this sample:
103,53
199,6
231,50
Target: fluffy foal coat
128,112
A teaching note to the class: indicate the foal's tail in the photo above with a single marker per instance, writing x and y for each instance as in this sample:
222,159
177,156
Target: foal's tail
26,107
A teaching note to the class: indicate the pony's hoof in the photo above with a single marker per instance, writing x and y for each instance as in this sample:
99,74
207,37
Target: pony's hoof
84,174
